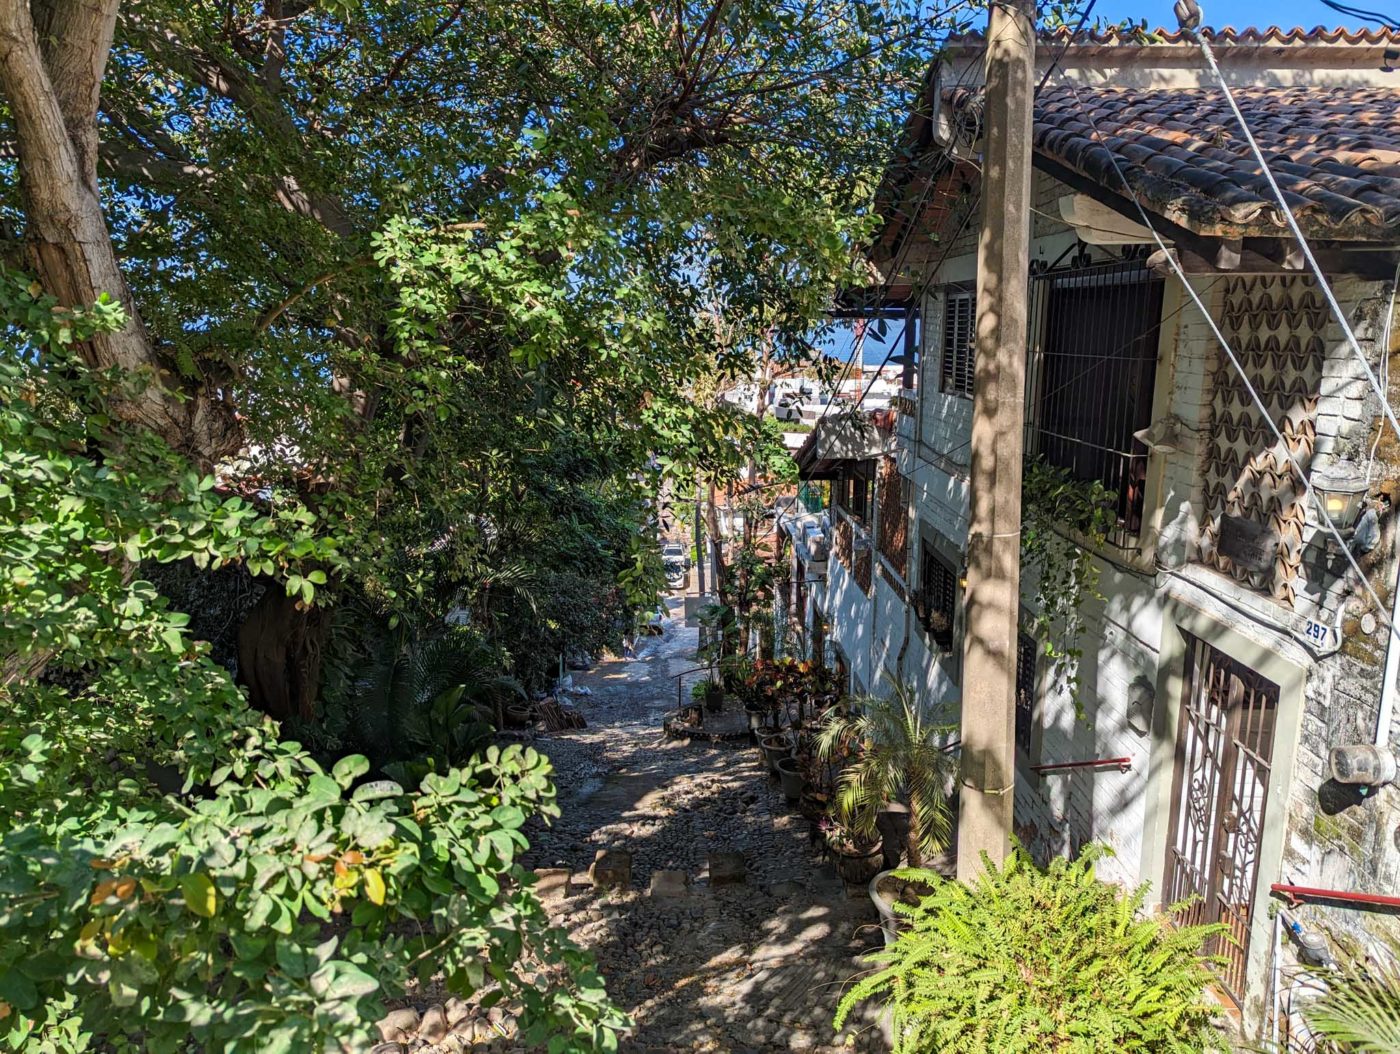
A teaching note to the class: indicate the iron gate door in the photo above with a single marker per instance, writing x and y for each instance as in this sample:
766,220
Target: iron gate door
1225,743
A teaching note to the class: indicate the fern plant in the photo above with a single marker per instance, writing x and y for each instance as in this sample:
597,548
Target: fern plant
431,704
1028,961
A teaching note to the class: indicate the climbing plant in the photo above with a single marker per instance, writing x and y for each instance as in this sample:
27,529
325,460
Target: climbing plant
1063,521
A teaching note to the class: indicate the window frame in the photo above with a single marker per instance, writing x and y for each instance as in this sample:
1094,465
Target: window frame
956,373
931,559
1073,436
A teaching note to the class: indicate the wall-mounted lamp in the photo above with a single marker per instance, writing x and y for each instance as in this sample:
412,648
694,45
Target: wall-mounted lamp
1362,765
1342,487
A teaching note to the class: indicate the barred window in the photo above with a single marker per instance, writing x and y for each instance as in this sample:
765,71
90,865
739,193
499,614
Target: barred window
938,589
958,351
1027,654
1092,372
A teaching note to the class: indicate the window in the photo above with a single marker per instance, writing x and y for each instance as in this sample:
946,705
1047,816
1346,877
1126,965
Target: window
1027,655
938,596
958,352
855,492
1091,377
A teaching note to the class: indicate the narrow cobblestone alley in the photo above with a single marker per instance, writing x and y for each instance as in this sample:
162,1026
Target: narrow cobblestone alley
752,967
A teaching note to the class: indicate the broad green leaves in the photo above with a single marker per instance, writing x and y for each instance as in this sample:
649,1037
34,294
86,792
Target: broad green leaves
171,873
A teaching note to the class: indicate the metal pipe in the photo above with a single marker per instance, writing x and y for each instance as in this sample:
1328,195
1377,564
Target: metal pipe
1392,672
1296,894
1122,764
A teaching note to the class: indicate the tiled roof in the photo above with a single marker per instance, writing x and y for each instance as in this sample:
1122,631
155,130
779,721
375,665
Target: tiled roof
1334,151
1271,35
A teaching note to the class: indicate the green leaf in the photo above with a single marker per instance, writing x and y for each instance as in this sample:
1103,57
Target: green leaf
350,768
201,898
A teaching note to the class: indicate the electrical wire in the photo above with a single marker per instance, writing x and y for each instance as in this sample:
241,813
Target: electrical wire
1365,16
1238,367
976,201
1297,231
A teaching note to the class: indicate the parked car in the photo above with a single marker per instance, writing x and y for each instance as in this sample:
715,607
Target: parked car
676,561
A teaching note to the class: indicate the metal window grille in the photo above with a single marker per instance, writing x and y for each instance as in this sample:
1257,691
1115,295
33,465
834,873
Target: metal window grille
1224,758
1027,653
1090,376
938,588
959,357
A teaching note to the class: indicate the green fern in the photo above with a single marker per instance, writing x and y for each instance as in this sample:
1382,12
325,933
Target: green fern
1029,960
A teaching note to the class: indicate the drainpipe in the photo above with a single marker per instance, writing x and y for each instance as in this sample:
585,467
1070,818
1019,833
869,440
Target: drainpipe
1392,671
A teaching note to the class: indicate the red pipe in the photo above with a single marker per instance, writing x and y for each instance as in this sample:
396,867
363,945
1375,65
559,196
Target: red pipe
1295,895
1123,764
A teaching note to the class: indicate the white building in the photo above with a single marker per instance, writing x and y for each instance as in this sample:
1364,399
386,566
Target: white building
1233,648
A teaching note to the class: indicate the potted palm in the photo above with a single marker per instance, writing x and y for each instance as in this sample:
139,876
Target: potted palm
897,756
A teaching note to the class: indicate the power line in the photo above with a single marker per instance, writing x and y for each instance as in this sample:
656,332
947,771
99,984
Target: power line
1238,367
1295,228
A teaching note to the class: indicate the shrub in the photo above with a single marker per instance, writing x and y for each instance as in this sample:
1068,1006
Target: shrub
1359,1012
173,877
1030,961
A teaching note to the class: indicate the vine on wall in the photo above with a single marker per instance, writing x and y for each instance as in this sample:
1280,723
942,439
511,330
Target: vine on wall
1063,520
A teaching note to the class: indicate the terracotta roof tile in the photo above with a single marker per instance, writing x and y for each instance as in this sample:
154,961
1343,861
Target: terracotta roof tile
1270,35
1334,151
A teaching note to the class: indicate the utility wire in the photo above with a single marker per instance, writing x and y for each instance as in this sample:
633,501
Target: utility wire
1297,230
1239,368
976,201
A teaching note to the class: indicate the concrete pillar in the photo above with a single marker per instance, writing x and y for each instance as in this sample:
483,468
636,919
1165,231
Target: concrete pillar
998,416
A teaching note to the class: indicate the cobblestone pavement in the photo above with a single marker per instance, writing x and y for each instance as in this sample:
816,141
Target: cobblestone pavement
753,967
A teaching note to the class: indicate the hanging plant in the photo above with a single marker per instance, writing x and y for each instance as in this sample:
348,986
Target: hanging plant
1063,520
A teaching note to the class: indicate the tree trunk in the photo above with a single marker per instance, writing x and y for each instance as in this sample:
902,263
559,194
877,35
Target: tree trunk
279,654
52,81
911,847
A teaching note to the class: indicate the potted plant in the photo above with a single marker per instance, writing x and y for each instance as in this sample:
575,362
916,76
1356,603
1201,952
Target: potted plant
895,753
790,776
858,855
707,693
775,746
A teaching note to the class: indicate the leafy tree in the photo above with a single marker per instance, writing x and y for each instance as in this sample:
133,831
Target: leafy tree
169,870
411,245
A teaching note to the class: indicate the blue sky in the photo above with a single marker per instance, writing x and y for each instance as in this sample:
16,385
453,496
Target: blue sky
1236,13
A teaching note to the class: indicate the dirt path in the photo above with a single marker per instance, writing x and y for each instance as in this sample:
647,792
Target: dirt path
754,967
